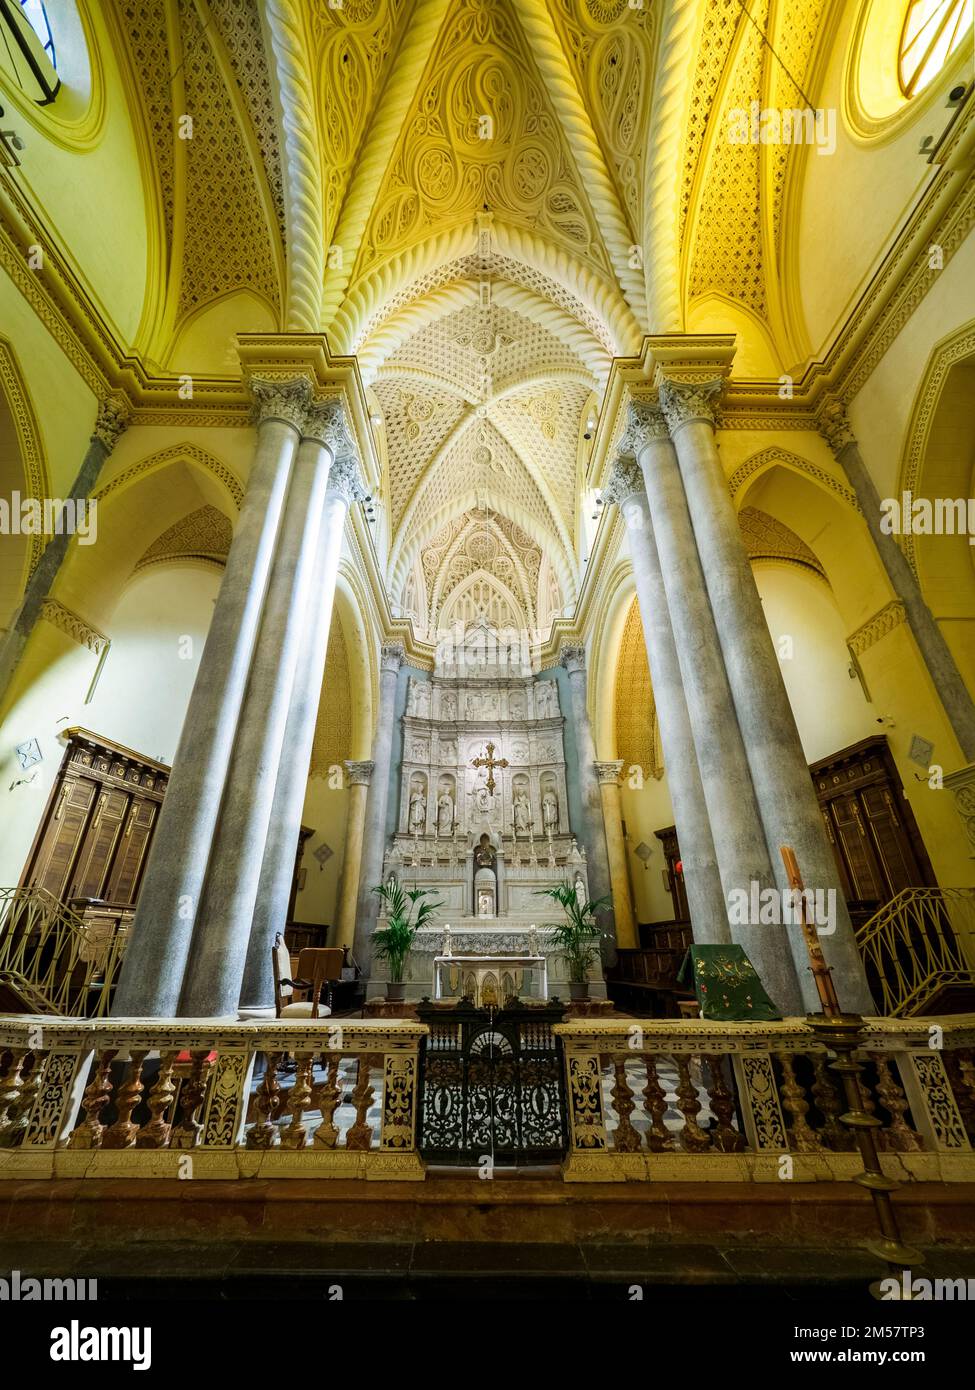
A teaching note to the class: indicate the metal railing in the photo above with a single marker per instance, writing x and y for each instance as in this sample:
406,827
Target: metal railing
920,943
54,960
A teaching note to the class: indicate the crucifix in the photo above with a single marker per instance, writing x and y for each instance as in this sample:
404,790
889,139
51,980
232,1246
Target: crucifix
490,763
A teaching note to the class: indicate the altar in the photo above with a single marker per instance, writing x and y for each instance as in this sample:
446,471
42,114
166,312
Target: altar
490,980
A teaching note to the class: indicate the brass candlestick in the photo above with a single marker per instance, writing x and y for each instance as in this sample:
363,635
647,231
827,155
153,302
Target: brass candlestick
841,1034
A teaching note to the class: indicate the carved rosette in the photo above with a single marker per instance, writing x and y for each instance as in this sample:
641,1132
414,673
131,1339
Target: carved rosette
392,656
834,425
573,658
609,773
111,421
684,401
359,774
281,398
625,480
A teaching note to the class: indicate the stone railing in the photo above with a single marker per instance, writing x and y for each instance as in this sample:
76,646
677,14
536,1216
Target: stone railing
738,1102
189,1098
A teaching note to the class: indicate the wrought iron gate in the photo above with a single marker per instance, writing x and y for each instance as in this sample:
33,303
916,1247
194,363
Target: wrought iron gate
491,1085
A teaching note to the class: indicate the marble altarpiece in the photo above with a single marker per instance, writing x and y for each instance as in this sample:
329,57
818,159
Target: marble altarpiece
483,819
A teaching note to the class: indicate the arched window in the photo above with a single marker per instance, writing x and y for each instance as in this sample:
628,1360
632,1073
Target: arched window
932,32
28,48
36,12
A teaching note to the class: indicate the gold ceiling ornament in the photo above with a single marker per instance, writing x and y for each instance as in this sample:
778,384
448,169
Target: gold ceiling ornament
543,411
204,534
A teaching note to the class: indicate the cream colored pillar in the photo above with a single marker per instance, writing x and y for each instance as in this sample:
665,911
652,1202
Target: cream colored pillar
609,791
358,775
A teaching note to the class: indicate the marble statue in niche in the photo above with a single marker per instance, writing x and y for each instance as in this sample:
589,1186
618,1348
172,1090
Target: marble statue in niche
445,813
580,889
423,700
545,699
550,812
449,705
516,705
522,813
418,809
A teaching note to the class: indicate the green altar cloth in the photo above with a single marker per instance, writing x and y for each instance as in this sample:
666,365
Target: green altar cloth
726,984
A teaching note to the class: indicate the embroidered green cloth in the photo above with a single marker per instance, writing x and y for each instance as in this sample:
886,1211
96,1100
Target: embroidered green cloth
726,984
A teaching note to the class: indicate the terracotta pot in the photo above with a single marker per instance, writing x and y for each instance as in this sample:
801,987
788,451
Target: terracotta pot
396,991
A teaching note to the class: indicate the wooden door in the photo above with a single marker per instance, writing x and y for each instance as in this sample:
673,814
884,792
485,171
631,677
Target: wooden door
130,858
98,845
56,854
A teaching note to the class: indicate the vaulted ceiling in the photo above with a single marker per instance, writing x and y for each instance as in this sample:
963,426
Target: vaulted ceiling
485,201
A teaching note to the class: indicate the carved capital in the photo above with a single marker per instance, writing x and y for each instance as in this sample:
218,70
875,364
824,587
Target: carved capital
344,478
625,480
609,773
834,424
111,420
326,422
281,398
684,401
359,774
573,658
645,422
392,656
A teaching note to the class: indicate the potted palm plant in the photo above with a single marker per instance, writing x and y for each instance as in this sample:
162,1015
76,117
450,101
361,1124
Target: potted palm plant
406,912
577,937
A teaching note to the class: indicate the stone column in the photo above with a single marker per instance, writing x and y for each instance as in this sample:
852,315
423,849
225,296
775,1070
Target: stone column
573,658
215,968
608,776
780,774
374,836
948,681
111,420
736,826
705,897
170,897
277,867
358,777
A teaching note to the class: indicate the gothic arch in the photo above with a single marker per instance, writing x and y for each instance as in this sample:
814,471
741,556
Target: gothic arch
759,463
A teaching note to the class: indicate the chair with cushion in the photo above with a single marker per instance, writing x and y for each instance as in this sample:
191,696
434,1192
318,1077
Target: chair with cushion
318,969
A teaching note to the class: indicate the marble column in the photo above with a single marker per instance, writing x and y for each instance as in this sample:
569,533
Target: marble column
780,774
357,776
171,893
608,776
702,880
736,825
110,422
948,681
215,967
573,658
277,866
374,835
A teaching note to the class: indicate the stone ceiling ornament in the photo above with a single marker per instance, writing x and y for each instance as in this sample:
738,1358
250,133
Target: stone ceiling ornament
684,401
281,398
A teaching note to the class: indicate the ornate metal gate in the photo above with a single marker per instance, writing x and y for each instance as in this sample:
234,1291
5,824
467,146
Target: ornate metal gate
491,1085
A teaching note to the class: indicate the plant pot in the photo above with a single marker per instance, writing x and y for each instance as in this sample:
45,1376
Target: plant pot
578,989
396,991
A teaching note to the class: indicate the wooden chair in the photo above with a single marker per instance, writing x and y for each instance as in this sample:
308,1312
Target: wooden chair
319,967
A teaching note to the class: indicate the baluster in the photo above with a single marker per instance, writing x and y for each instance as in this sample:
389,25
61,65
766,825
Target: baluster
155,1134
10,1088
802,1138
327,1096
900,1137
725,1137
829,1103
264,1134
122,1134
961,1074
186,1132
295,1136
659,1137
360,1134
625,1137
19,1111
870,1105
692,1136
88,1134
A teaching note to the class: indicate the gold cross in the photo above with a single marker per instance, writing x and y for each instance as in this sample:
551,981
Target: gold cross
490,763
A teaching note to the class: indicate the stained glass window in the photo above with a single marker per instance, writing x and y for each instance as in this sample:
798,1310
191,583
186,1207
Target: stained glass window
933,30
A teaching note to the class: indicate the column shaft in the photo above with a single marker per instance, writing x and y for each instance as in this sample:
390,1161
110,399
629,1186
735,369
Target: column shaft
374,839
609,791
780,774
948,681
705,897
359,775
277,865
171,893
573,658
736,826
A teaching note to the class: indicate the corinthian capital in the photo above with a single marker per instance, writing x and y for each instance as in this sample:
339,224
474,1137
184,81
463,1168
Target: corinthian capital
644,423
392,656
625,480
281,398
359,774
573,658
344,478
326,422
111,420
834,424
684,401
609,773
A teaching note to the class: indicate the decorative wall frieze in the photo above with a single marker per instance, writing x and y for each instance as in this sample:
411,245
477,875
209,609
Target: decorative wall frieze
874,629
74,626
